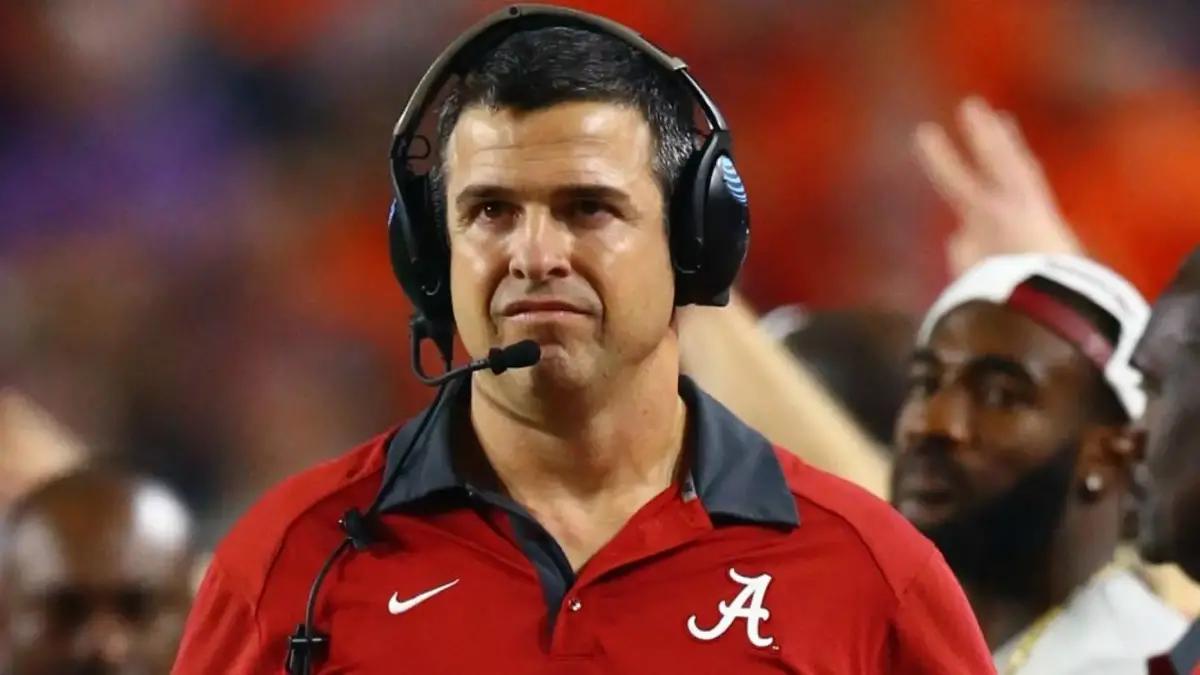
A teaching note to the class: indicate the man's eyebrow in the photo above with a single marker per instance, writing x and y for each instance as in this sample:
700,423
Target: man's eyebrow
483,192
593,191
1001,364
475,194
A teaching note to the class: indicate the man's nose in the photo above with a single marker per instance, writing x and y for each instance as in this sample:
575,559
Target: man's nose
944,414
106,638
540,247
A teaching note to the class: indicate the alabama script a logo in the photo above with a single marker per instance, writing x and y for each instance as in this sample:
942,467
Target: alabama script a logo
747,605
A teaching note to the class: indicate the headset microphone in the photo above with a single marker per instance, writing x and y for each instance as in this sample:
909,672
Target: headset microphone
518,355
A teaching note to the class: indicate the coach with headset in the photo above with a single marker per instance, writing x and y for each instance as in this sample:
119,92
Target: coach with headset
589,510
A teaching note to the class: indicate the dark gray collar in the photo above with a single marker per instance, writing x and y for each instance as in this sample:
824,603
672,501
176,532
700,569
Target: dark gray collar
734,469
1186,654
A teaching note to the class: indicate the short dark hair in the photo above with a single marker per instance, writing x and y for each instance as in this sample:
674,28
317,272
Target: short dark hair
1103,405
536,69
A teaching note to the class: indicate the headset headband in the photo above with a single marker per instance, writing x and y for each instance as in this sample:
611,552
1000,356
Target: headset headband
481,38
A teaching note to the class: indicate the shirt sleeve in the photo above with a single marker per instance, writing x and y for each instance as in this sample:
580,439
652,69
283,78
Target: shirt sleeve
222,634
935,631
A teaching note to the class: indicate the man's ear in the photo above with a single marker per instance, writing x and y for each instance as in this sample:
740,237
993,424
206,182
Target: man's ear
1107,457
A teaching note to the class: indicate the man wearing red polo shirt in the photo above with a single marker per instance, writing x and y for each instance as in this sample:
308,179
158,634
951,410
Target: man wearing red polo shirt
595,513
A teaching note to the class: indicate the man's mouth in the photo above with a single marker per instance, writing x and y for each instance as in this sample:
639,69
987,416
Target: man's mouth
543,307
934,496
925,499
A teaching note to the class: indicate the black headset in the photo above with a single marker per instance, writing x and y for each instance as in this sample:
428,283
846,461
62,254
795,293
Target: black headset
708,214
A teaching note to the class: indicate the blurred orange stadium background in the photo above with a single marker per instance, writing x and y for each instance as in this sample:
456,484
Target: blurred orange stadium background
193,274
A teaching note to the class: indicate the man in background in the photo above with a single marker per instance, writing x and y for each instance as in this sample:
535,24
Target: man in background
1169,358
1014,455
95,577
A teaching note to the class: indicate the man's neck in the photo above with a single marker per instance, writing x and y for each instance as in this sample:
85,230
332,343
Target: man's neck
1083,545
582,481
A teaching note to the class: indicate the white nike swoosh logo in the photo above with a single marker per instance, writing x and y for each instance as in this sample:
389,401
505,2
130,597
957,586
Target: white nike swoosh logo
398,606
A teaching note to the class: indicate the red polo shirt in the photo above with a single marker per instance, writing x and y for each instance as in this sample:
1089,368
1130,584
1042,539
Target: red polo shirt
756,563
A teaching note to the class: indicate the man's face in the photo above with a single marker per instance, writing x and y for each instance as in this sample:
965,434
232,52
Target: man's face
993,406
1169,358
556,234
105,597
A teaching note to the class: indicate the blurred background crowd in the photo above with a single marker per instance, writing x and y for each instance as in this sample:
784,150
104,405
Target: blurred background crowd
193,274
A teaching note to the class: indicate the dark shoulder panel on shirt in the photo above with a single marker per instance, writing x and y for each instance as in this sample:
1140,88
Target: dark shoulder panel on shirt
825,500
304,505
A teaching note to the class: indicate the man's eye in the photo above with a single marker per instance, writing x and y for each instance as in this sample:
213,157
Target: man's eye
67,610
922,383
494,210
491,214
997,398
592,211
590,207
1001,396
136,605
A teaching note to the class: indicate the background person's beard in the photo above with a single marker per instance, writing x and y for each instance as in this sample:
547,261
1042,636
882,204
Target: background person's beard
1002,545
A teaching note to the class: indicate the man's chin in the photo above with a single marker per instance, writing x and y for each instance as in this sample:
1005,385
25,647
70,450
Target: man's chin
560,371
568,330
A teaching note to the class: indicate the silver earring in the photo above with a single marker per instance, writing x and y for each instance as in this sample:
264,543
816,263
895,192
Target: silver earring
1094,483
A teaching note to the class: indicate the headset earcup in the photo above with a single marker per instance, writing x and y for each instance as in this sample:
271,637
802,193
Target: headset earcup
726,232
710,225
686,234
420,258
